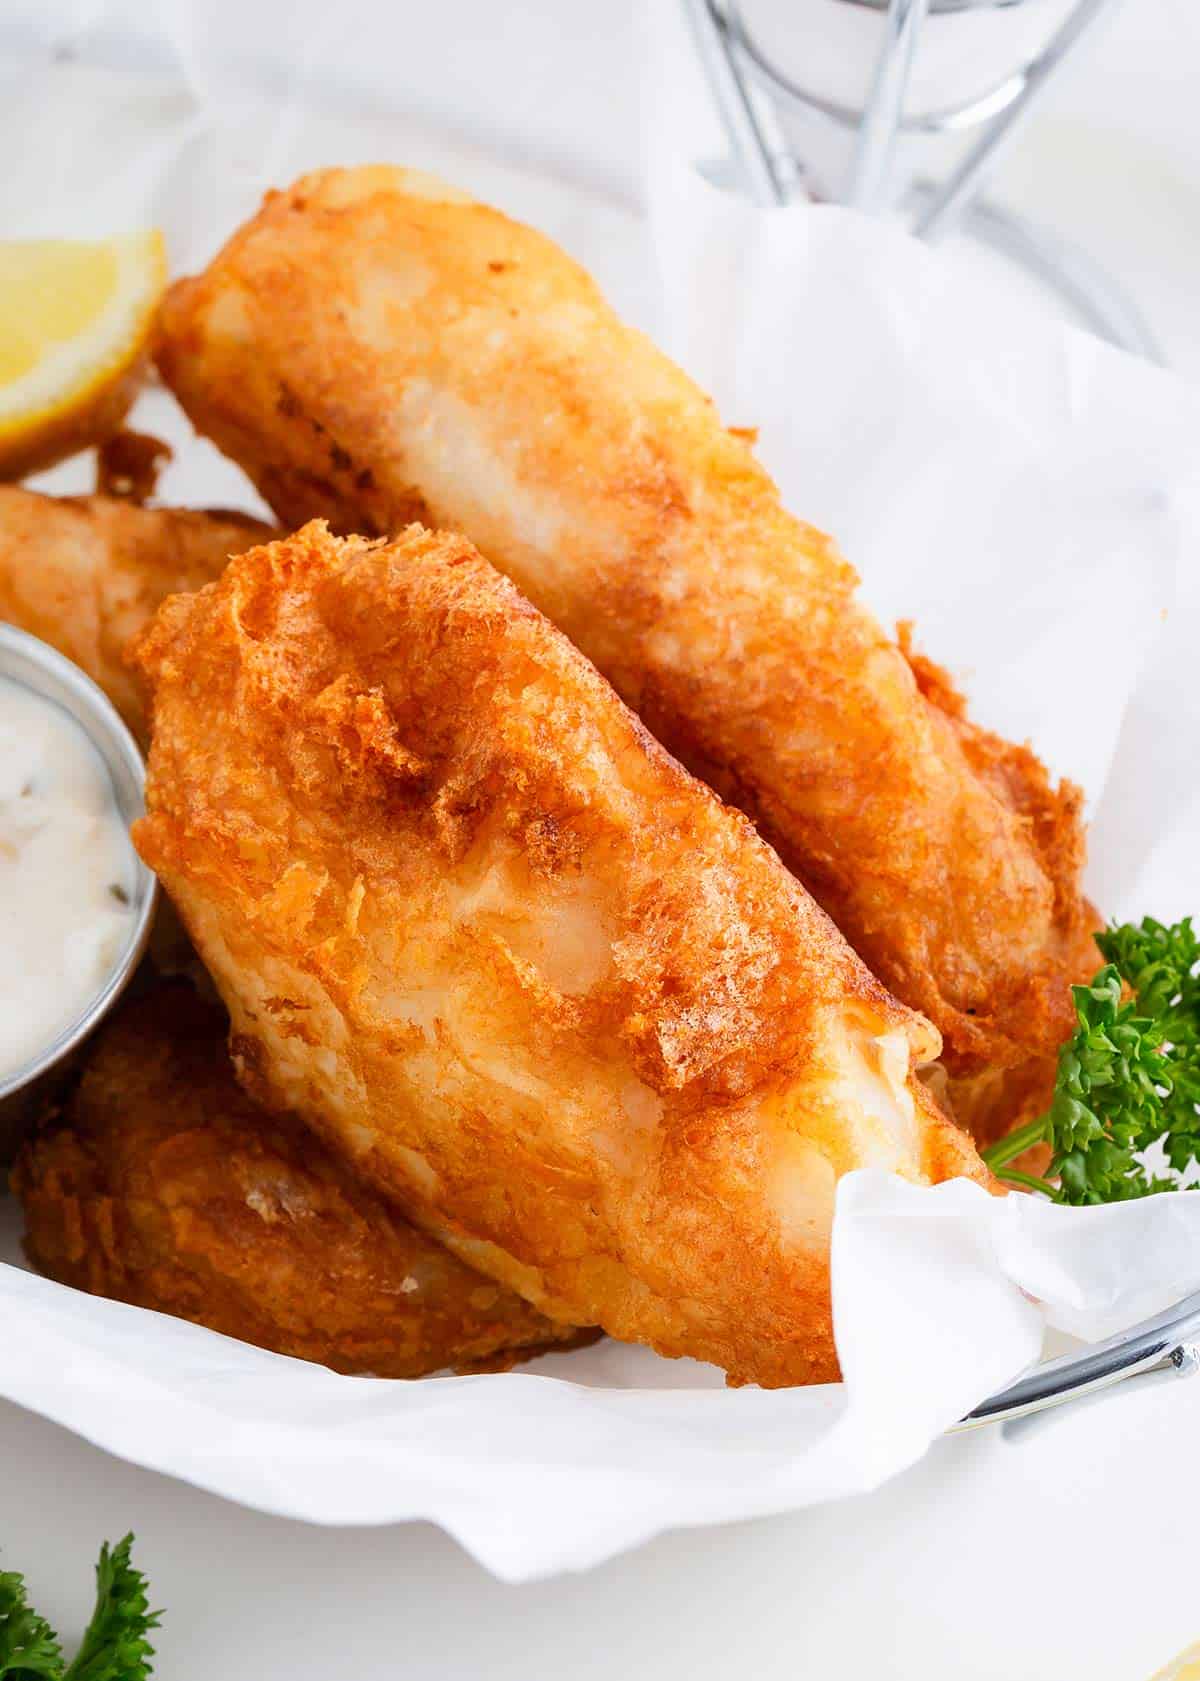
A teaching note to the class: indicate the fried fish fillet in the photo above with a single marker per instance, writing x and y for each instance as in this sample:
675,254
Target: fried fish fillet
161,1184
84,573
496,946
376,347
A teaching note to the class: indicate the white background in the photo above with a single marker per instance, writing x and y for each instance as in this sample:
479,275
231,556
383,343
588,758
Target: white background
1069,1554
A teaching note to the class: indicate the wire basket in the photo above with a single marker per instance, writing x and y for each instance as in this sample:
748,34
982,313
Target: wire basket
810,130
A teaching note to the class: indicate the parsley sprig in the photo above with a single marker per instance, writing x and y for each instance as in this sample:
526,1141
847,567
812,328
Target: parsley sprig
114,1645
1128,1078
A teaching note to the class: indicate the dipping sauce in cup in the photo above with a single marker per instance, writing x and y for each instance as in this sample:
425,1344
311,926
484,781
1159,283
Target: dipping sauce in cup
75,900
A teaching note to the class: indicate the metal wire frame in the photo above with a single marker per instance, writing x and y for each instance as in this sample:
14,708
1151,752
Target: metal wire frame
769,171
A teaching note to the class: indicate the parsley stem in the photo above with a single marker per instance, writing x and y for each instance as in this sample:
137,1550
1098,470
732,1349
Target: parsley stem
1014,1144
1028,1180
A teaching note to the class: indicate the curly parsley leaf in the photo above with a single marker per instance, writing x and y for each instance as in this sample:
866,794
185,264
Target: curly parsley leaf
1128,1078
29,1647
114,1646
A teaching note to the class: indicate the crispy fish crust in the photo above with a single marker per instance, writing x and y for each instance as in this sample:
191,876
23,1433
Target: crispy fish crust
376,347
992,1100
161,1184
84,573
493,943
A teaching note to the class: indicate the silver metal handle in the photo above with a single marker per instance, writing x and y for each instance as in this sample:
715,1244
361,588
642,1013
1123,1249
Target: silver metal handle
1168,1345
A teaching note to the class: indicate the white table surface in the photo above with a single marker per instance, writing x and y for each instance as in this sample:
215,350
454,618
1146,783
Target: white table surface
1070,1554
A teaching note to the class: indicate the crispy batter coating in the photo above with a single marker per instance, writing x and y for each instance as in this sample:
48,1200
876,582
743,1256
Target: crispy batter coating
161,1184
993,1100
84,573
479,929
375,347
130,464
999,1100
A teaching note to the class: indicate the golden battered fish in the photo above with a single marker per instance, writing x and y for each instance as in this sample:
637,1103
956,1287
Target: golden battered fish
499,949
161,1184
84,573
376,347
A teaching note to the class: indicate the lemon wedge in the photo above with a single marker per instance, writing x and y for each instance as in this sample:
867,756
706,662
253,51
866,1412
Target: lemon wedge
75,321
1185,1668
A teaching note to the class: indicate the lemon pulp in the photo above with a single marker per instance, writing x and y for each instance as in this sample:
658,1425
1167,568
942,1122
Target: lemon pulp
50,291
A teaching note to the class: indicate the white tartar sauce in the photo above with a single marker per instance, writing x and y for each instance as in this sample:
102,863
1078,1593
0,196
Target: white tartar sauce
67,871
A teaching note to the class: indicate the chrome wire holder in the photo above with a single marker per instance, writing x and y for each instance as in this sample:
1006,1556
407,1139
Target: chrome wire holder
749,92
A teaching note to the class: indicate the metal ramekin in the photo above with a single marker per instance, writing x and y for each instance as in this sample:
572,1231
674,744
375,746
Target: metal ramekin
38,667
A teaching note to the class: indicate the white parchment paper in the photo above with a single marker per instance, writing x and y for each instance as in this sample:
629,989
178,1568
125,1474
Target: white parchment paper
1030,498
